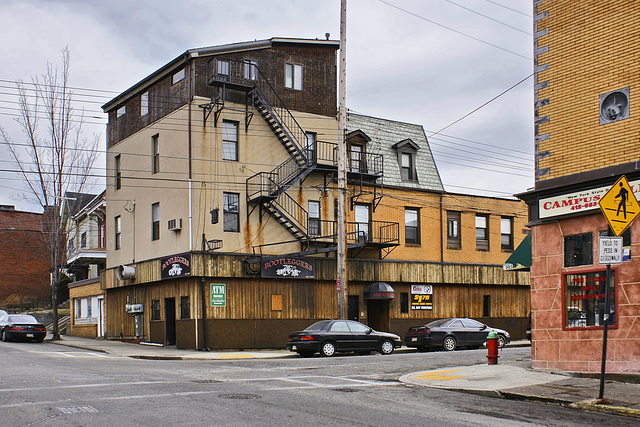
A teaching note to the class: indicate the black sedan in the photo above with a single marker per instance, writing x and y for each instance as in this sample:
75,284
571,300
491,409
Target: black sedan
23,327
452,333
331,336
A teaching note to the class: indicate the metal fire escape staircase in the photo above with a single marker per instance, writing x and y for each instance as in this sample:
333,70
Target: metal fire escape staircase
267,190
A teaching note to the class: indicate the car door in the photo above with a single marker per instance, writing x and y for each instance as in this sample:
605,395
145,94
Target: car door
456,328
341,334
476,332
363,339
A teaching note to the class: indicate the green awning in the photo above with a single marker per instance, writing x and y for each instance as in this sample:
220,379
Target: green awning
520,259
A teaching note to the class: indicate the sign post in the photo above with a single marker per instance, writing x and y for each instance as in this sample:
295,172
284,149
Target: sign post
620,207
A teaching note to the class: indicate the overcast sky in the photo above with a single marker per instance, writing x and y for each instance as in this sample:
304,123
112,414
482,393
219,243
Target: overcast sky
430,62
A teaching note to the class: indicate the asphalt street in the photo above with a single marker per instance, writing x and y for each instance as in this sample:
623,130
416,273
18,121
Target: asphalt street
51,385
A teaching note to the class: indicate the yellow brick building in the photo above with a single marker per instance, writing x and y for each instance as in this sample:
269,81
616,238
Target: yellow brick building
586,91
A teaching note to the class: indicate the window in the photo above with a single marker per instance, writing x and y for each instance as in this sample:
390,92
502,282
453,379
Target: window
340,326
155,221
412,226
121,111
407,167
83,239
230,140
178,77
578,250
311,145
155,309
482,232
358,328
486,306
584,297
155,154
70,246
453,230
118,171
250,69
118,231
362,222
222,67
231,212
404,302
293,76
314,218
185,312
144,104
506,233
355,158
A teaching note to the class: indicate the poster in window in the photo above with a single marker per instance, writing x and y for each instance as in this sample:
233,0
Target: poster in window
421,297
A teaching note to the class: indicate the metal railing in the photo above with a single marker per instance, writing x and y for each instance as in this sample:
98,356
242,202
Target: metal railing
296,214
243,73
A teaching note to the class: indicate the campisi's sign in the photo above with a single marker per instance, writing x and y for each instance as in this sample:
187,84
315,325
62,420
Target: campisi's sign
581,201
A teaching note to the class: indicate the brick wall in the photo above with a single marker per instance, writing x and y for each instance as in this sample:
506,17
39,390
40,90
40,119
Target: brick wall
24,257
583,50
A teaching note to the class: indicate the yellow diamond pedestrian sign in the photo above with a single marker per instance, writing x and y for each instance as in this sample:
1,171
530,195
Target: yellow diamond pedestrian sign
619,206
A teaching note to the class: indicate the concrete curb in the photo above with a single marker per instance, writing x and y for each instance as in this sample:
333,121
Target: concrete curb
591,405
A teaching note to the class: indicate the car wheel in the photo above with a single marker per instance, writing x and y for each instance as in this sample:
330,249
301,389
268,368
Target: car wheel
305,353
4,335
328,349
502,341
386,347
449,343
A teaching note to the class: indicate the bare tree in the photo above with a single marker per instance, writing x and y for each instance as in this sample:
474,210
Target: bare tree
54,160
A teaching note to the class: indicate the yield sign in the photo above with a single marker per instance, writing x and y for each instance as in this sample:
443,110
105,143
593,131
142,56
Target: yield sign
619,206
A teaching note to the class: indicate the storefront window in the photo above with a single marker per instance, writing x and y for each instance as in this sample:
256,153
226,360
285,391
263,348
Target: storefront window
578,250
584,299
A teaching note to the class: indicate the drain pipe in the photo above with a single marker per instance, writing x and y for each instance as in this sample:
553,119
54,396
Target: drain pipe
205,344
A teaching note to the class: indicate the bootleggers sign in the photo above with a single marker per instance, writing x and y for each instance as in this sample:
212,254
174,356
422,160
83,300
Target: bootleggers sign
293,268
175,266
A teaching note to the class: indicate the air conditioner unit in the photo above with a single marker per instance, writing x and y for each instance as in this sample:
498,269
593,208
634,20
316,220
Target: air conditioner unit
175,224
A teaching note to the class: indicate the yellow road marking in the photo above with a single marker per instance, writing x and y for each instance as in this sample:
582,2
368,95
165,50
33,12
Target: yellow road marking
439,375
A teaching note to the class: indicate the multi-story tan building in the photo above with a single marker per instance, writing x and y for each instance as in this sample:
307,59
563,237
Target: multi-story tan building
586,138
221,201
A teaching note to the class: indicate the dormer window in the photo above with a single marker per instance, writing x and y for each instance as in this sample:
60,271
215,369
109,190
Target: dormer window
357,150
179,76
407,151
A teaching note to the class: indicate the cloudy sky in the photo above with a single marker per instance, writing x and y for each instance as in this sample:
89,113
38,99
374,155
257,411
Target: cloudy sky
431,62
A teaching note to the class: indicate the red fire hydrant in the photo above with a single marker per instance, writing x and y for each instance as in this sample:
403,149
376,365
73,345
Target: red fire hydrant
492,345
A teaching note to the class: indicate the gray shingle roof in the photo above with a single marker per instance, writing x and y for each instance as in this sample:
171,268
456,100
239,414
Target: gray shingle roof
384,135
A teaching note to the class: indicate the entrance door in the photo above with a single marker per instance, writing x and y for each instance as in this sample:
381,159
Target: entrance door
170,320
353,308
378,312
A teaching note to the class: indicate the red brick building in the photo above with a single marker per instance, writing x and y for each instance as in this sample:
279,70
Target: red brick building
24,259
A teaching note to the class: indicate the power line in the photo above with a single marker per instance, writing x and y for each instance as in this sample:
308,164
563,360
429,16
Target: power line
488,17
453,30
483,105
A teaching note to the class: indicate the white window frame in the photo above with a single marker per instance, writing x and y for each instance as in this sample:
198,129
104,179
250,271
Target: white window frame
250,69
144,104
293,76
178,76
230,140
121,111
155,221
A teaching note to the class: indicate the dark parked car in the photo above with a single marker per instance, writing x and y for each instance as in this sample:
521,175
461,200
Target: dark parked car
452,333
21,326
331,336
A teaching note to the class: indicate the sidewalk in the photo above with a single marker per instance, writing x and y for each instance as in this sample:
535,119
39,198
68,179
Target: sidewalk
513,382
502,380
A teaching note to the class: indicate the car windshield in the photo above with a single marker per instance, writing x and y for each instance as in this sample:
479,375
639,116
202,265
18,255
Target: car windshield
317,326
437,323
22,318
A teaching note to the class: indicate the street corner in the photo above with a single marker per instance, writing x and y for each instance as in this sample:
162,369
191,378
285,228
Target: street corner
479,378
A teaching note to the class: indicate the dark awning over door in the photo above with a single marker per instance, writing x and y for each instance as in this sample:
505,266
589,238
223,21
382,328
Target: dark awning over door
379,290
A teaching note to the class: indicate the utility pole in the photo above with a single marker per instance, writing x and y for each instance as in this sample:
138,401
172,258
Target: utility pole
341,278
